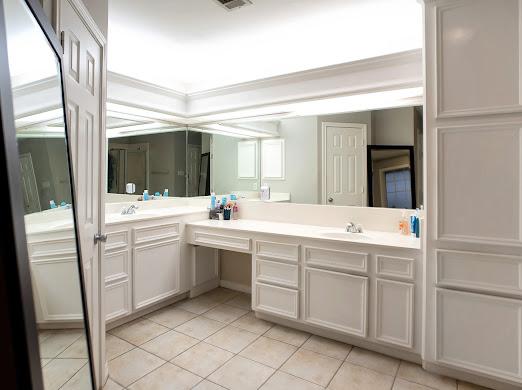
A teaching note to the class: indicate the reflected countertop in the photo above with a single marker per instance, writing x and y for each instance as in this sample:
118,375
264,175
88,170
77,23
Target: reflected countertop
368,237
154,213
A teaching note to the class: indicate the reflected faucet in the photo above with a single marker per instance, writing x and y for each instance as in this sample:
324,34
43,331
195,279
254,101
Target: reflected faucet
353,228
129,210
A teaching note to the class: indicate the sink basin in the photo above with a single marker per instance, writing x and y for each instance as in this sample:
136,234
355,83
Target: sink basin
340,235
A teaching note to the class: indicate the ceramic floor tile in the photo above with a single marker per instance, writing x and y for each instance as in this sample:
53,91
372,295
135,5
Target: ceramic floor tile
232,339
207,385
401,384
80,381
57,372
133,365
200,327
373,360
77,350
252,324
269,352
171,316
114,346
58,341
167,377
169,345
415,373
241,374
44,362
225,313
44,334
203,359
220,294
352,377
327,347
243,301
111,385
469,386
288,335
312,367
198,305
139,331
283,381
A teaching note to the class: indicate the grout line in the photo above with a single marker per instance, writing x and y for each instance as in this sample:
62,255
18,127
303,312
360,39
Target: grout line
68,380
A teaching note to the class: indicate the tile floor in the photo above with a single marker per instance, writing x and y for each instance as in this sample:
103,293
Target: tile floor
215,342
64,359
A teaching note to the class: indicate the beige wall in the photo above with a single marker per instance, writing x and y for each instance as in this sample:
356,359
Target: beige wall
236,267
393,126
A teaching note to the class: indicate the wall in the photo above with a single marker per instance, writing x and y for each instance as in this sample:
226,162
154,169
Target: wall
236,268
393,126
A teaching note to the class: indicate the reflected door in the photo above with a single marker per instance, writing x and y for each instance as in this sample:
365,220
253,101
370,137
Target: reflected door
345,164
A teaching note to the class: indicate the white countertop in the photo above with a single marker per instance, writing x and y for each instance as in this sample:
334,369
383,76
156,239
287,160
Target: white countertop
316,232
146,214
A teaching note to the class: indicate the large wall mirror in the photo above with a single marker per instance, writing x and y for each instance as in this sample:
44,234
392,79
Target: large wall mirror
56,273
312,159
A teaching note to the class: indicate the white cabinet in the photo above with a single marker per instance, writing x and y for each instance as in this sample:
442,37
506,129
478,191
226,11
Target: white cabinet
336,301
276,300
480,332
394,303
156,272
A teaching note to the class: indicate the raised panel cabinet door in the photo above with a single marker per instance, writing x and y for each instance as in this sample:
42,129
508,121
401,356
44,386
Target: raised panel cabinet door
480,333
156,272
394,312
337,301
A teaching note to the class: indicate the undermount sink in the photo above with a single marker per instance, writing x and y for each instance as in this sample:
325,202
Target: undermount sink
344,235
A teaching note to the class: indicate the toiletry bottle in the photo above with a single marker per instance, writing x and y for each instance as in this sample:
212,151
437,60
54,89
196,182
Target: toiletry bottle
166,193
145,194
52,204
212,201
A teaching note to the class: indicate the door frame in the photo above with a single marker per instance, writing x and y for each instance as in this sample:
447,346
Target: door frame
100,364
324,158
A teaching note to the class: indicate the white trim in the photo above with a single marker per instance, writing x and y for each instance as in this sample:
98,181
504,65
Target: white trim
236,286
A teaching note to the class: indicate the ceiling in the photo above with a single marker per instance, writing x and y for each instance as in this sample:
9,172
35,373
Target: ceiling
195,45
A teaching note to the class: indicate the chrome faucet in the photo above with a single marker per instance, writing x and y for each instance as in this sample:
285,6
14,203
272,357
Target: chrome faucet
129,210
353,228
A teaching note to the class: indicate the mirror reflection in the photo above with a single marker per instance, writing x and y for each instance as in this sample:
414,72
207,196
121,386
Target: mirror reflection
47,199
320,159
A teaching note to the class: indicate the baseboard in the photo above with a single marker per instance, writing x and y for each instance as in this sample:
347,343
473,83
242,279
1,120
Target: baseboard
50,325
204,287
236,286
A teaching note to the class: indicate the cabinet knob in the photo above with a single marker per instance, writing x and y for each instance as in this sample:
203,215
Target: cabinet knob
330,200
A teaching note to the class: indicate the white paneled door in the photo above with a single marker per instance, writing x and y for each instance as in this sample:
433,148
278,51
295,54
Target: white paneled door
344,164
83,70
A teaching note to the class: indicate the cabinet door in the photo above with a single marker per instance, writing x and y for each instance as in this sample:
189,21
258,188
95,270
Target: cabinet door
394,309
480,332
155,272
337,301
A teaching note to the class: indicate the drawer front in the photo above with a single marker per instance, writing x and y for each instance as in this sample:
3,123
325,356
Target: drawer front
117,240
277,250
337,260
222,241
280,301
117,302
148,234
398,267
479,333
495,273
52,248
276,272
116,265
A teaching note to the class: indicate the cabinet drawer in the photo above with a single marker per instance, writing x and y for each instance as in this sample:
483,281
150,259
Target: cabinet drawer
52,248
147,234
277,250
276,272
394,312
495,273
222,241
337,260
117,240
336,301
399,267
480,333
116,265
280,301
117,300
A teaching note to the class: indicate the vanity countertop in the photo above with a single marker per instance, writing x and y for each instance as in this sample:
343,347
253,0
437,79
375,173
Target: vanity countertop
146,214
368,237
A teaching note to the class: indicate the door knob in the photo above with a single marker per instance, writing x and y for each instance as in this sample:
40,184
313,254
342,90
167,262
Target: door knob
330,200
100,238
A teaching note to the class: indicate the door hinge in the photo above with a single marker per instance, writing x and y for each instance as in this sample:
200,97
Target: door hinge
62,41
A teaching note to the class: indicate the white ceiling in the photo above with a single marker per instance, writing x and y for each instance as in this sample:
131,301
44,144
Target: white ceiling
194,45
